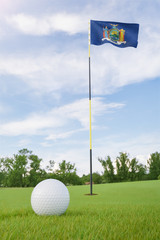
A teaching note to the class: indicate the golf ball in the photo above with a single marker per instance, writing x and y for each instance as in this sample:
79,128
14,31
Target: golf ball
50,197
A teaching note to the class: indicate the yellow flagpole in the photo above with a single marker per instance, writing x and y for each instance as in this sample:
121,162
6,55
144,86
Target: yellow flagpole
90,122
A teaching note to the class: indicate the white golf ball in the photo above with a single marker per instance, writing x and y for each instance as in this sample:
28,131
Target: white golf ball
50,197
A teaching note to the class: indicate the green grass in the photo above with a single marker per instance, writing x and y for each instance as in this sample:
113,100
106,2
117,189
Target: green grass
120,211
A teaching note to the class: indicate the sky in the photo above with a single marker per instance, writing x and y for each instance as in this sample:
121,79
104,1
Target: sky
44,103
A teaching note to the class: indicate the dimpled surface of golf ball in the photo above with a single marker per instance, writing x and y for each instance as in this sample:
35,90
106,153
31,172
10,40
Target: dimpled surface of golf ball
50,197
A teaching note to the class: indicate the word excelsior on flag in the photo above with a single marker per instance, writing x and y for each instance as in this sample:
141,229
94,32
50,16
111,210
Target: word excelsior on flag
119,34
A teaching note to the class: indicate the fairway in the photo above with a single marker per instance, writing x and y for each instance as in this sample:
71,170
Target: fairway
120,211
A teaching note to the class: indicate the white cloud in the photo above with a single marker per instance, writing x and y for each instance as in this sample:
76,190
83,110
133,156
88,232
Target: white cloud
8,6
30,126
45,25
53,71
143,158
77,155
75,20
114,68
48,72
62,135
111,67
140,145
24,142
56,119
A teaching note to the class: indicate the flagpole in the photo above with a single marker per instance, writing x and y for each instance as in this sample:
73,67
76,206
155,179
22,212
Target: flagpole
90,126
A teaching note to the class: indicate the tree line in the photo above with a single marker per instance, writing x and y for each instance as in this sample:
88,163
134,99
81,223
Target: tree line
130,169
24,170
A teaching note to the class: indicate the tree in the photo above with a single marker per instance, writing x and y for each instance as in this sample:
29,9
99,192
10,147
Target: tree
96,178
6,166
14,169
122,165
133,165
20,168
35,170
154,165
66,172
85,178
50,166
108,169
3,172
141,172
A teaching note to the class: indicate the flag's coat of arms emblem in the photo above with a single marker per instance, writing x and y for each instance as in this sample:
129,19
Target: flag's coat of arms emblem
114,35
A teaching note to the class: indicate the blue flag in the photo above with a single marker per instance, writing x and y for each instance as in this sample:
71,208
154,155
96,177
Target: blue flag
119,34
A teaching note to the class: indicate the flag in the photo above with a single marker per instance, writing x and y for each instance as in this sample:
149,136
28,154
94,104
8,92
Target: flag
119,34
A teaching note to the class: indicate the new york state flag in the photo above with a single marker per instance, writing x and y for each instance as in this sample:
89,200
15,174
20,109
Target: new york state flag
119,34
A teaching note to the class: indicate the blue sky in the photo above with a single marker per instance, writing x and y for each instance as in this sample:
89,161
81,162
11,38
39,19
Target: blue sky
44,81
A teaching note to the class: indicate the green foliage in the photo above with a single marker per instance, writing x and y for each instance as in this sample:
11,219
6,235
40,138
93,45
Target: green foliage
133,166
126,169
141,173
67,174
154,165
24,170
96,178
14,171
6,165
122,165
137,171
108,169
35,173
20,168
85,178
50,167
159,177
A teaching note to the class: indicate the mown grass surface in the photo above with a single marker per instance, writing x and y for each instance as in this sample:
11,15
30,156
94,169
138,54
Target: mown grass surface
120,211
